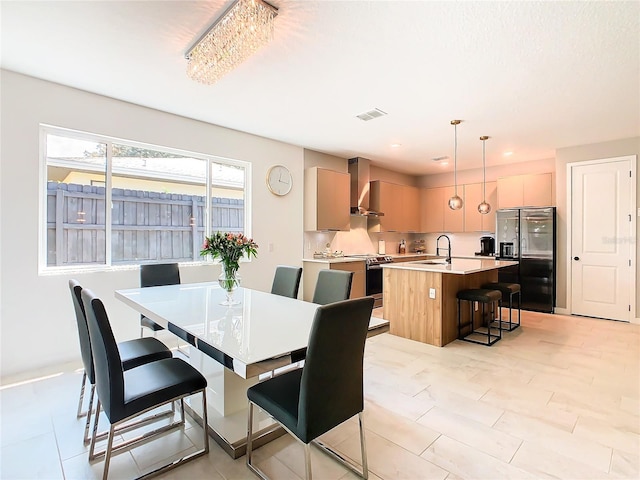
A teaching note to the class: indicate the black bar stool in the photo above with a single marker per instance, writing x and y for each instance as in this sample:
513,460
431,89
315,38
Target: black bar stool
508,291
484,297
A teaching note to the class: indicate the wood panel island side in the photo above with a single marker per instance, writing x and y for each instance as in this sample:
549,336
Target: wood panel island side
419,298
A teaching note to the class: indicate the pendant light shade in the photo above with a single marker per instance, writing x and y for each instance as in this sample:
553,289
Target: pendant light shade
455,202
484,207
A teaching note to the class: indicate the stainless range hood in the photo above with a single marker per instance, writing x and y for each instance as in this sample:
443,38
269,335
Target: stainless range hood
359,170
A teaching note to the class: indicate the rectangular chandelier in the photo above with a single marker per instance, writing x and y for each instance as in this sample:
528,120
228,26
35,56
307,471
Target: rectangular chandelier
242,29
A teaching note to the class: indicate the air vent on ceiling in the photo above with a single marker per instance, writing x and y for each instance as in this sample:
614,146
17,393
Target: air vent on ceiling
371,114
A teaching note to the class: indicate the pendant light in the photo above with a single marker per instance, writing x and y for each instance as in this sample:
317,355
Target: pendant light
484,207
455,202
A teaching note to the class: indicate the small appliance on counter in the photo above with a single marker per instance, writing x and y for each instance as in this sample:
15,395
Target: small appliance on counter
487,246
506,250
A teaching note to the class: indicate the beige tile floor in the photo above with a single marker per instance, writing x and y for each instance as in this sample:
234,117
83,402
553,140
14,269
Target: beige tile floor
557,398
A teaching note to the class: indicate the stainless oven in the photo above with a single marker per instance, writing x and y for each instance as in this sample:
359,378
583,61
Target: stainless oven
373,276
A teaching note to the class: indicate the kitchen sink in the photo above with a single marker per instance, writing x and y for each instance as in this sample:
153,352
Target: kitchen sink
431,262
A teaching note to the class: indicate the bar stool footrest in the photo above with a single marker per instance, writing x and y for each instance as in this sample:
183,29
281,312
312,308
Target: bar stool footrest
505,325
483,338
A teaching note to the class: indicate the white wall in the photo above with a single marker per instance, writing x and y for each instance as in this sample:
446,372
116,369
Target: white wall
38,326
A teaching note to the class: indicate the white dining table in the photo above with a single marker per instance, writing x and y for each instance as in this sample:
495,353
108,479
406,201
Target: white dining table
231,346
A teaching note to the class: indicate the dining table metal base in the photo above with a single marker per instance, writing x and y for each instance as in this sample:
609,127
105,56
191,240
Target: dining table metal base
227,407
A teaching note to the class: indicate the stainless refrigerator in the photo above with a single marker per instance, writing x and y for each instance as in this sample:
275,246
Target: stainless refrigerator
528,235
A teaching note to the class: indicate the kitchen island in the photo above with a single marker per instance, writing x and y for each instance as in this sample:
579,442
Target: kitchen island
419,298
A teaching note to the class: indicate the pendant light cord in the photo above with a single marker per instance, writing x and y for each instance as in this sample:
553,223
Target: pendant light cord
484,176
455,158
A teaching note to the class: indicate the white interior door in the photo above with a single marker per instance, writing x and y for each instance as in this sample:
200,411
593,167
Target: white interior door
601,239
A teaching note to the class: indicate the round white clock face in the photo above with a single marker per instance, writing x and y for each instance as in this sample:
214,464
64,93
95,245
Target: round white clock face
279,180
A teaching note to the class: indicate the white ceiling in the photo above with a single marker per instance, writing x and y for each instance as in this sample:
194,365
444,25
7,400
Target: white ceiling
534,76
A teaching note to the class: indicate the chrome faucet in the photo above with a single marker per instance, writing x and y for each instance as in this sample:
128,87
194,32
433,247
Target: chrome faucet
448,247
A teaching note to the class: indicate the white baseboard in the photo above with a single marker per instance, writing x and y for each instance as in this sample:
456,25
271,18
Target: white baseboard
566,311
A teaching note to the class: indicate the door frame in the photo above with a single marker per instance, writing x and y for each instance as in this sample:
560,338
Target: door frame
632,159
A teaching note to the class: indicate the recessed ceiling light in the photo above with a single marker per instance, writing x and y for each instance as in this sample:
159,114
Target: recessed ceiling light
396,145
507,154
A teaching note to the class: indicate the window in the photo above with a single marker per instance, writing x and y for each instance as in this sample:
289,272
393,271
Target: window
162,201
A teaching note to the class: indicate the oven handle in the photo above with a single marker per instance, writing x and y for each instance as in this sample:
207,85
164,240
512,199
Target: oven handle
374,267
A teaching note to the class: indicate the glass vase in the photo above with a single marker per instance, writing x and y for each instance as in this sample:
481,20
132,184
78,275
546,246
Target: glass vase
229,280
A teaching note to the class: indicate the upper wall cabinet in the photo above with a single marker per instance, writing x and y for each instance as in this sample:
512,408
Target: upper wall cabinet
400,205
474,221
533,190
411,209
436,214
432,209
326,200
386,198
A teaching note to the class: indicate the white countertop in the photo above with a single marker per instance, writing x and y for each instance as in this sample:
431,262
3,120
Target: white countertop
333,260
458,266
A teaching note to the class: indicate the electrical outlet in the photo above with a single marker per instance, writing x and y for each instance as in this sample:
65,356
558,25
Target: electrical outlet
432,293
271,247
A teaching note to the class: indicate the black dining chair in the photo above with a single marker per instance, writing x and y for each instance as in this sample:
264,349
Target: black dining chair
132,353
156,275
124,395
328,390
286,281
332,286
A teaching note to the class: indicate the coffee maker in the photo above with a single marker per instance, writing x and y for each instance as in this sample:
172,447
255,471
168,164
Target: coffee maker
506,250
487,246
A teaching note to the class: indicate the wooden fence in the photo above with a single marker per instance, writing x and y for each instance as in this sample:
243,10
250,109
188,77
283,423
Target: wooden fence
146,227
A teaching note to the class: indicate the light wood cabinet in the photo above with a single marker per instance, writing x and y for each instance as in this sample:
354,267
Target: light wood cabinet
400,205
436,215
432,209
474,221
410,209
453,219
326,202
532,190
386,197
311,270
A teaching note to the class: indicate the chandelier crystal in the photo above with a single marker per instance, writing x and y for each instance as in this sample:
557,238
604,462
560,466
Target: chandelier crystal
455,202
242,29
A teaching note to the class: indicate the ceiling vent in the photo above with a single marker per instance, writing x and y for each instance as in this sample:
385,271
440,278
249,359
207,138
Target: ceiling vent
371,114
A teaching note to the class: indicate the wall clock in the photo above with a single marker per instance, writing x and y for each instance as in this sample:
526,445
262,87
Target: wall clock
279,180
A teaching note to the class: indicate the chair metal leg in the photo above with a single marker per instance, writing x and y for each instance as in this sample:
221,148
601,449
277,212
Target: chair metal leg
110,450
364,473
94,434
307,462
249,452
84,381
89,412
363,447
107,457
126,427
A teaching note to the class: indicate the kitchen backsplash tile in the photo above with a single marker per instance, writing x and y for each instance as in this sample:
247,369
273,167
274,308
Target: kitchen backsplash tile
359,240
